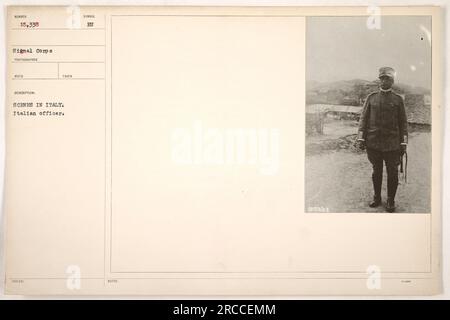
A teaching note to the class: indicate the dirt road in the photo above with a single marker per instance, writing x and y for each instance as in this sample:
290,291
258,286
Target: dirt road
340,181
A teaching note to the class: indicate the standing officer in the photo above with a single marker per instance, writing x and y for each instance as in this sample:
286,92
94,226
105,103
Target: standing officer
383,131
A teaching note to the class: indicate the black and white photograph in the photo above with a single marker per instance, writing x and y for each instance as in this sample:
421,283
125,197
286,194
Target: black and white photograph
368,114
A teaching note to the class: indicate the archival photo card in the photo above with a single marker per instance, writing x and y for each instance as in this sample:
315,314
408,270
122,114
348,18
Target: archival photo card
223,150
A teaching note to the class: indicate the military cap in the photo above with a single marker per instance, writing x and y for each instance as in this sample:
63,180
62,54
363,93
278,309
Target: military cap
386,71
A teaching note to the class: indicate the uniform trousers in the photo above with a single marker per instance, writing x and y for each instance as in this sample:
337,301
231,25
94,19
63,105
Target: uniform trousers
392,161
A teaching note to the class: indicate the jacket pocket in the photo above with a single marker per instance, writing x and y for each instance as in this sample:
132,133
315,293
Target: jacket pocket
374,109
394,113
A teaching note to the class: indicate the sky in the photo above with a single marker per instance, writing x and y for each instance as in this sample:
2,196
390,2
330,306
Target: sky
344,48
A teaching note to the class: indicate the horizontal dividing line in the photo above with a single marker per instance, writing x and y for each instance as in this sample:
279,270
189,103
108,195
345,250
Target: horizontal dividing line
57,45
209,15
231,15
57,61
227,278
56,278
63,79
68,29
259,278
268,272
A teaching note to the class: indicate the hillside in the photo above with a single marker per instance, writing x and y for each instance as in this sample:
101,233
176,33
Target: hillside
350,92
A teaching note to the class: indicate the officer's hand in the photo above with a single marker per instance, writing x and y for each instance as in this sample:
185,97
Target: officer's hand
361,144
402,149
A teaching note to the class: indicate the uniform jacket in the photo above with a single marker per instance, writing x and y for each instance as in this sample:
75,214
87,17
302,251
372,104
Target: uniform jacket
383,124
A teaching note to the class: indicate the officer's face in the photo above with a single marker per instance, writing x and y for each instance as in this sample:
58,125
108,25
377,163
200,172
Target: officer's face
386,82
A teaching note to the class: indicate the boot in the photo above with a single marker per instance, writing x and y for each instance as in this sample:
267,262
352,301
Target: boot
377,178
375,202
390,205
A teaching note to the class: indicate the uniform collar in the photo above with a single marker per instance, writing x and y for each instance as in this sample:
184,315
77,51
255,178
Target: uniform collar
383,90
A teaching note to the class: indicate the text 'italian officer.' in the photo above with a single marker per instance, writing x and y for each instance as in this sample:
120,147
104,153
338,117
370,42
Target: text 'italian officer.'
383,132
